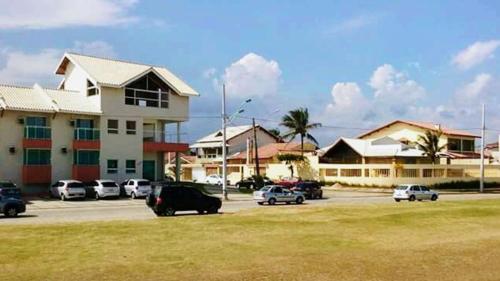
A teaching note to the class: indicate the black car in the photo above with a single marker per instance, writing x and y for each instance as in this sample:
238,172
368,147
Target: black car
310,189
169,197
251,182
10,200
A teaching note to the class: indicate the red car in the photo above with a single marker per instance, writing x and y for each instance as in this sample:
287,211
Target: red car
288,182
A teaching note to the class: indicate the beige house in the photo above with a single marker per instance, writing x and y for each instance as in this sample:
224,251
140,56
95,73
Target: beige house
107,119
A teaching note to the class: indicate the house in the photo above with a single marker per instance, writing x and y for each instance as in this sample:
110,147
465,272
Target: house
492,151
107,119
209,148
269,153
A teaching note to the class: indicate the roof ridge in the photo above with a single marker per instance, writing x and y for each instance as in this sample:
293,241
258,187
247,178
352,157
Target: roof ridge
116,60
60,90
15,86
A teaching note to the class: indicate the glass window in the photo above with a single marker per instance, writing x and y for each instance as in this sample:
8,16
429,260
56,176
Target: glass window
36,157
424,188
91,89
454,144
130,167
468,145
86,157
112,166
112,126
148,91
131,128
415,188
36,121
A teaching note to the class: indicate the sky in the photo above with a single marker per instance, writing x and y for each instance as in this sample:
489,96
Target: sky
353,64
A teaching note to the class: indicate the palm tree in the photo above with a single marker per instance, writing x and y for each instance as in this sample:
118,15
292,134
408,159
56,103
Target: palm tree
297,121
429,143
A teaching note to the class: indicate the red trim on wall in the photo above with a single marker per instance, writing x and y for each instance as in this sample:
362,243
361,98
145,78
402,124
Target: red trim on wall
37,174
165,147
87,144
31,143
86,173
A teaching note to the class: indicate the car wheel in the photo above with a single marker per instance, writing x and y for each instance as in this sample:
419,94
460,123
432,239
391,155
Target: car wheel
11,211
201,212
133,196
260,203
213,210
434,197
169,212
299,200
97,197
320,195
397,200
412,198
271,201
63,197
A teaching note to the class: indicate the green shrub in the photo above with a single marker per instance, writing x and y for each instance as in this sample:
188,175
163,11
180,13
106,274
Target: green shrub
464,185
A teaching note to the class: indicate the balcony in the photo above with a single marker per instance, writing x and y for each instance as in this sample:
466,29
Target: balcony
86,173
86,138
37,174
156,141
37,137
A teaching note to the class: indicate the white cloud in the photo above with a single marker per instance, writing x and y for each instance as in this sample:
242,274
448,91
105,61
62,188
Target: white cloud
474,89
346,96
390,84
475,54
251,76
19,67
45,14
353,23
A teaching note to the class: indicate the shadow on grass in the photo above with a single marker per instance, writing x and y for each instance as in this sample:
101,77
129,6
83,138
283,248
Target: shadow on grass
18,217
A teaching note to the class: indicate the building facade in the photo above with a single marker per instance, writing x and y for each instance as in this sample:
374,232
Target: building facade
107,119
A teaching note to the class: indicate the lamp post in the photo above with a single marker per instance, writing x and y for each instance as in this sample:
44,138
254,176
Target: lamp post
225,119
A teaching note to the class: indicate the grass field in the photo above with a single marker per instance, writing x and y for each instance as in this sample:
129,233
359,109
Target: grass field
406,241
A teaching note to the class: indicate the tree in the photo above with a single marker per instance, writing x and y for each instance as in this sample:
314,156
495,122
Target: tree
297,121
429,143
289,159
277,133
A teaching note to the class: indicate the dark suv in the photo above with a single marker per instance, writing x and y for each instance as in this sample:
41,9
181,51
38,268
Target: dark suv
169,197
310,189
10,199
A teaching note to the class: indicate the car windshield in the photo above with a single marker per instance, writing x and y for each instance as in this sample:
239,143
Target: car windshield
143,183
402,187
75,184
109,184
264,189
7,184
14,192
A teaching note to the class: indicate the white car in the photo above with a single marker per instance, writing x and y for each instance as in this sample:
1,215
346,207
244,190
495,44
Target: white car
412,192
214,179
68,189
276,193
105,188
137,188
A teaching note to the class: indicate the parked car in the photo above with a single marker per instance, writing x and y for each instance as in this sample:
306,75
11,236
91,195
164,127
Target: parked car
288,182
215,179
250,182
68,189
310,189
412,192
10,199
136,188
276,193
105,188
169,197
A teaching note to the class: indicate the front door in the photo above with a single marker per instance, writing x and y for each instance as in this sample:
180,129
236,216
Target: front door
148,170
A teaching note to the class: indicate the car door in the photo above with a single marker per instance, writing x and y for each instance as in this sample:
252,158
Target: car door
426,193
129,186
417,192
288,195
278,194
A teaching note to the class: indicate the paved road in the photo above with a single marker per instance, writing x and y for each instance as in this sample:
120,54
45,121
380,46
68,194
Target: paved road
54,211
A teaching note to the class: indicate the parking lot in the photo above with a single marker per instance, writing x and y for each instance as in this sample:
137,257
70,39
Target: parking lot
40,211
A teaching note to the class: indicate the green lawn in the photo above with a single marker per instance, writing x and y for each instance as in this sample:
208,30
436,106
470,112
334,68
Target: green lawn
405,241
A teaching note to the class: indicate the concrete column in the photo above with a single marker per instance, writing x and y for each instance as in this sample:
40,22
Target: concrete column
177,155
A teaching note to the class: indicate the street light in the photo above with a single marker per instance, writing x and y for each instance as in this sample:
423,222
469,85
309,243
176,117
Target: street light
225,118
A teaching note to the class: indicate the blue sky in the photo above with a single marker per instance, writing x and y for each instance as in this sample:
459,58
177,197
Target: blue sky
354,64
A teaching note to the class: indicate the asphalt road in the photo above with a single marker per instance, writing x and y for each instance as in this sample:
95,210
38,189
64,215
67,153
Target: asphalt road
54,211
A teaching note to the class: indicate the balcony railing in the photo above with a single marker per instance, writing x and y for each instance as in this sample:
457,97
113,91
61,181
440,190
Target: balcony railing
87,134
159,136
37,132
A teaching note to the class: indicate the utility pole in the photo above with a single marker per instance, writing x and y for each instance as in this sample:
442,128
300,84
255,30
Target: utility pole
256,147
224,156
483,127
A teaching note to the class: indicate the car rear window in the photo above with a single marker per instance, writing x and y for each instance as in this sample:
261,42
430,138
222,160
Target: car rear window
7,184
109,184
402,187
11,192
143,183
75,184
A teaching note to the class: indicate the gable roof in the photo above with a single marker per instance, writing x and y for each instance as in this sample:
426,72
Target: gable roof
377,148
423,125
215,139
38,99
272,149
116,73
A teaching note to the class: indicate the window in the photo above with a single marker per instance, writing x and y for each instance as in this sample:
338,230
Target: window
86,157
131,128
454,144
36,128
36,157
468,145
112,126
130,167
112,167
148,91
91,89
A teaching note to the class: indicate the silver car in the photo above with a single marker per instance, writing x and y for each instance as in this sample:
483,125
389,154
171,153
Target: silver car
412,192
276,193
68,189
